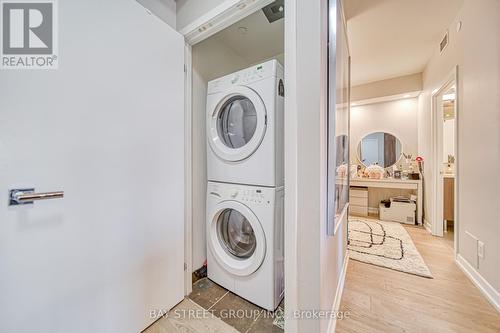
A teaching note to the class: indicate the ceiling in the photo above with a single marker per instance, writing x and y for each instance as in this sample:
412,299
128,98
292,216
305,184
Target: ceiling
391,38
254,38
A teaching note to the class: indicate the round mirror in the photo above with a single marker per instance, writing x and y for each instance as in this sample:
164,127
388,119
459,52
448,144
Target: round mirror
380,148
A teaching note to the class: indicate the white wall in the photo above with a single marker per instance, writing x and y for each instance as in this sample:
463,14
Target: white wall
476,51
396,117
395,86
448,139
211,59
164,9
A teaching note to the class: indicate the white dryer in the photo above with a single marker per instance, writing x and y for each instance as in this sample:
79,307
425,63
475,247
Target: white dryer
245,251
245,126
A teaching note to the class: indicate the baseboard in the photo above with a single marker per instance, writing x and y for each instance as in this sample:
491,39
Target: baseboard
491,294
338,295
427,226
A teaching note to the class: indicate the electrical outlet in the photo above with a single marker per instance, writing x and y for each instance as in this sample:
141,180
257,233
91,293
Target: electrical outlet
480,249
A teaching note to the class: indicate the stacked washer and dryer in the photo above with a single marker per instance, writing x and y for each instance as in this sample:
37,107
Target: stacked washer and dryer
245,191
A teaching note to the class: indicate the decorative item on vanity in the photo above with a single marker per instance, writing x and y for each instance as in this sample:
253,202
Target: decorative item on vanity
414,176
396,174
408,161
354,170
408,167
342,170
360,172
420,163
374,172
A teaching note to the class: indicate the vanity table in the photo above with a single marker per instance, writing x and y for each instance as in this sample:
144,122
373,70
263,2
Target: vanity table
384,151
406,184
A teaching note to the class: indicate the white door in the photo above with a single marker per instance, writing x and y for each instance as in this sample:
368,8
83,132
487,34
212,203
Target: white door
237,124
107,128
370,151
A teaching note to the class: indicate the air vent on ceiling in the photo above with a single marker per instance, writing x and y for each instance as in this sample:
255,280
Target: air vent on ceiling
274,11
444,43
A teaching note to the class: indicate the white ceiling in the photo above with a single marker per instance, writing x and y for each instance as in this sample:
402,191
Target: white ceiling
262,40
391,38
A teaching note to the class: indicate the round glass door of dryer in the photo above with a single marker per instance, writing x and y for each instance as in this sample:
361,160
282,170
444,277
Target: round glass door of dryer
237,124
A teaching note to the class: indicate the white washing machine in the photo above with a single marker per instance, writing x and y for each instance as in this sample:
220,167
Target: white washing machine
245,126
245,250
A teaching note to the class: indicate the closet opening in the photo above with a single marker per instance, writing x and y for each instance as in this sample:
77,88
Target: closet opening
237,161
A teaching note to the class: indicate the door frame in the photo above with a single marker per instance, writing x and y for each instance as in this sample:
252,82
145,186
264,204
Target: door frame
215,20
438,223
219,18
188,176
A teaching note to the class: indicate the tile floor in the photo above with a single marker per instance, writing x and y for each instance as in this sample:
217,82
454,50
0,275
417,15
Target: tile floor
189,317
220,302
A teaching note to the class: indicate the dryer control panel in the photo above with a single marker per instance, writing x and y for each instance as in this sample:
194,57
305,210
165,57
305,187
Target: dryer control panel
267,69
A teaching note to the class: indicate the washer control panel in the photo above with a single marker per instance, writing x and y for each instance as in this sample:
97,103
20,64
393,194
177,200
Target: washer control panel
241,193
254,196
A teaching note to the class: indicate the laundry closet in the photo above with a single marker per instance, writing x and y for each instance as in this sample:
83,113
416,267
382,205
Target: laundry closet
238,157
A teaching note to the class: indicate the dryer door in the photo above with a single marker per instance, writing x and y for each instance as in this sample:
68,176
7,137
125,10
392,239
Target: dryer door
236,238
237,124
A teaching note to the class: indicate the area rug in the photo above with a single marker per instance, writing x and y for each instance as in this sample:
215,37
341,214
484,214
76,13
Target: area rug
385,244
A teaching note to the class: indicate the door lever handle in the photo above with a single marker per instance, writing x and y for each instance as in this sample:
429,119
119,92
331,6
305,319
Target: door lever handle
28,196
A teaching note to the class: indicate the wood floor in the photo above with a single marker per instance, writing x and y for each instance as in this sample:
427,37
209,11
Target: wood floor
382,300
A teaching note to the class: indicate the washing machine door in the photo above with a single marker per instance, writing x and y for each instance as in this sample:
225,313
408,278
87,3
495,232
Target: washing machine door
237,124
236,238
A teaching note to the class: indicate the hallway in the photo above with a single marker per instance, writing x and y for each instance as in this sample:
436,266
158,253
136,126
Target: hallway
383,300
